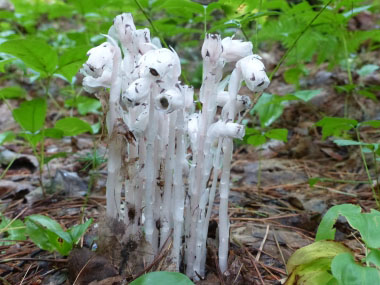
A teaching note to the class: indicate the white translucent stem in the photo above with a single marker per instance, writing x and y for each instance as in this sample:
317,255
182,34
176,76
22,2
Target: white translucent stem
216,165
233,88
212,76
166,218
179,191
150,172
114,181
131,194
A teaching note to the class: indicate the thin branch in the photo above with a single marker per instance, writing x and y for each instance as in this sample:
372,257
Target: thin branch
296,40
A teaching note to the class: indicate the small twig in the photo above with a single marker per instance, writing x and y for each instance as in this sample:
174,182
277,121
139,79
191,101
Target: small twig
80,272
253,261
279,249
237,275
26,273
151,23
262,244
33,259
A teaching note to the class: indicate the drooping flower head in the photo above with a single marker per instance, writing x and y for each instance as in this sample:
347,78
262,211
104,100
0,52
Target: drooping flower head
253,72
98,68
160,65
234,50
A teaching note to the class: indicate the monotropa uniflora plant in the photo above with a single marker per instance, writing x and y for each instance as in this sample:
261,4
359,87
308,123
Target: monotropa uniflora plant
164,154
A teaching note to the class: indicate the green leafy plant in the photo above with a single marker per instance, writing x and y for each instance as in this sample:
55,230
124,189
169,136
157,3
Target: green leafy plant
45,232
31,116
269,108
329,262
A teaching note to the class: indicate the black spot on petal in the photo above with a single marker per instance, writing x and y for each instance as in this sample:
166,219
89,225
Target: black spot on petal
153,71
164,102
253,78
261,84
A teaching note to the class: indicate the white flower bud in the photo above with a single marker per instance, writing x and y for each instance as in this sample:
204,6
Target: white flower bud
125,29
223,129
169,100
212,47
253,72
160,64
137,92
233,50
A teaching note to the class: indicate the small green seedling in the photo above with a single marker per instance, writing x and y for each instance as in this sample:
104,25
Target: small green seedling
46,233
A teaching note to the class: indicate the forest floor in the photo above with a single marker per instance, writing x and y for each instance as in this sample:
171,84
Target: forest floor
273,209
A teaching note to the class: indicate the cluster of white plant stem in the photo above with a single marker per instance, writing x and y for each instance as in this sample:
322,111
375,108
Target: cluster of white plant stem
165,155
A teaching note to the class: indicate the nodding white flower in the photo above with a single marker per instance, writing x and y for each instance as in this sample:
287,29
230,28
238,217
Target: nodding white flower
233,50
137,92
169,100
243,102
226,129
160,65
253,72
143,41
125,29
212,47
98,67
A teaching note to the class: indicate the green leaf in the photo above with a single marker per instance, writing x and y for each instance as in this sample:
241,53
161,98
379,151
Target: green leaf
53,133
31,114
73,126
313,273
163,278
306,95
347,142
367,69
373,124
268,109
256,140
313,181
13,92
11,230
84,104
48,234
365,223
7,137
332,126
78,231
368,94
35,53
251,131
277,134
315,251
348,272
71,61
325,230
